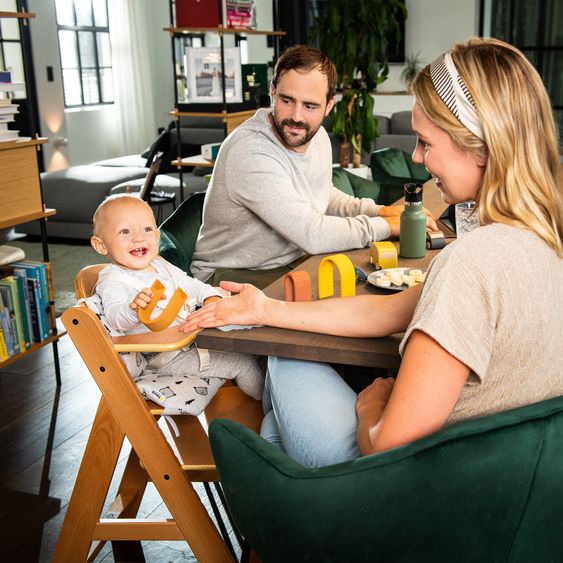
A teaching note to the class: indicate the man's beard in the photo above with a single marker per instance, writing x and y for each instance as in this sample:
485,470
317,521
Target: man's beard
290,140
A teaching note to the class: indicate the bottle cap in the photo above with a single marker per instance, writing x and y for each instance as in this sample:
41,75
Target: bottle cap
413,193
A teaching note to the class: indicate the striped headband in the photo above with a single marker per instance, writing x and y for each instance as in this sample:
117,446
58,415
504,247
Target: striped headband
454,93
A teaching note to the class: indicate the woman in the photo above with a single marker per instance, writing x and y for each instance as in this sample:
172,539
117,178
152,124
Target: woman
484,333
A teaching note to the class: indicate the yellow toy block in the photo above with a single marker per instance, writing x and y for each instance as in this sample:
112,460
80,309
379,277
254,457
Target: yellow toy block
384,254
347,276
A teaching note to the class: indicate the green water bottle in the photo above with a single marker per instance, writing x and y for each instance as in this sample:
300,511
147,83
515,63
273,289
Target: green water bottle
412,241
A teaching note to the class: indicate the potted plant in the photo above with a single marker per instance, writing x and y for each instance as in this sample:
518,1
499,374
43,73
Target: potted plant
355,36
413,65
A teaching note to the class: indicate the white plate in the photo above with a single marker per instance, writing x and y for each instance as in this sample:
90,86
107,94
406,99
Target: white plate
372,278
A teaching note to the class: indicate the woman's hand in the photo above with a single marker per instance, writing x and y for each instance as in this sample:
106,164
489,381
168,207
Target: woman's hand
392,213
369,408
246,308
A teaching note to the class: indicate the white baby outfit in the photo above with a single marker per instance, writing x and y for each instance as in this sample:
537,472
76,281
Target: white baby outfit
183,381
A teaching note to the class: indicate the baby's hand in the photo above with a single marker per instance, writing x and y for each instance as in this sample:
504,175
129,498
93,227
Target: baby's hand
142,299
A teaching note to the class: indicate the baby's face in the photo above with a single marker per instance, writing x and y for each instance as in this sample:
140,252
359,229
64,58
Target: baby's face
128,235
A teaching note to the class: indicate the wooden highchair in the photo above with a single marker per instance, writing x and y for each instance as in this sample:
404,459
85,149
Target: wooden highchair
172,452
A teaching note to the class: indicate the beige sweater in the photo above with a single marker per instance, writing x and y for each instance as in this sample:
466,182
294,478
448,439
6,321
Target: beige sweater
267,205
494,300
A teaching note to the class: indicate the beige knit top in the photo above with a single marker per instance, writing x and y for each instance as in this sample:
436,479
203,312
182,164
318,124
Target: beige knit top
494,300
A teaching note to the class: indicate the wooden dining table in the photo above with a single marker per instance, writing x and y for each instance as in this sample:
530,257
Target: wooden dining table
369,352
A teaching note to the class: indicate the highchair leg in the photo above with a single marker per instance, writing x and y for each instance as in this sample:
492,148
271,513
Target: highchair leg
91,487
126,505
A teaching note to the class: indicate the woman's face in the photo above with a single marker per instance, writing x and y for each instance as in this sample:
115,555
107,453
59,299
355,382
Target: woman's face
458,173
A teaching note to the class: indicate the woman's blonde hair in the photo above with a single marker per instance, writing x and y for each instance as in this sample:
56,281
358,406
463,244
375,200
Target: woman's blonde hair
520,182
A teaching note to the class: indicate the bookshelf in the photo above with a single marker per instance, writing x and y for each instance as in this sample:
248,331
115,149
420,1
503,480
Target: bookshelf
20,190
232,114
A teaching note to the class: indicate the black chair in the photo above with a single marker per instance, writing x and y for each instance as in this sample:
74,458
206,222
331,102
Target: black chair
159,198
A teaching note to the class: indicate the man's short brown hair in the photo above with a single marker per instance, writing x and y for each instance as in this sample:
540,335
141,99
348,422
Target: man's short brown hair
304,58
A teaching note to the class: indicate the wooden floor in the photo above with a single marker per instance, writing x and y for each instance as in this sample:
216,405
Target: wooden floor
43,432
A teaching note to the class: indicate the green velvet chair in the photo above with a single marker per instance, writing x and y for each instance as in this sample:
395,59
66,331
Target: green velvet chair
393,168
486,490
178,233
354,185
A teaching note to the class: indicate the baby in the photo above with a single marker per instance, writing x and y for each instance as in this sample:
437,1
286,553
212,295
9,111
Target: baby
182,381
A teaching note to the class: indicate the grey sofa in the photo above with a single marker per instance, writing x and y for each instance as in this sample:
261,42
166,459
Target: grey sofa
77,191
395,131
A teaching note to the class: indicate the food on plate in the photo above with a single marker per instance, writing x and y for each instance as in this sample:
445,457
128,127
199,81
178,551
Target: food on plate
399,278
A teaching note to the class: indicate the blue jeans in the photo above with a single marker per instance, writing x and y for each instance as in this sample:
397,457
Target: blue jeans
310,412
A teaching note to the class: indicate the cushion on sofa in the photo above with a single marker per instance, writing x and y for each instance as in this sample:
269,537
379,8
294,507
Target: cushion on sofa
133,160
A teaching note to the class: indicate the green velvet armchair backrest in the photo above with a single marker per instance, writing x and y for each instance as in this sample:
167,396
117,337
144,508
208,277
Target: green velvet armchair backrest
354,185
392,168
489,489
178,233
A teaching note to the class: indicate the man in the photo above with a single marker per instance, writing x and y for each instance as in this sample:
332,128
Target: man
271,200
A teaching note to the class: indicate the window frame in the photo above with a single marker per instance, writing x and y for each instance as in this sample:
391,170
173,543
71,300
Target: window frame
94,30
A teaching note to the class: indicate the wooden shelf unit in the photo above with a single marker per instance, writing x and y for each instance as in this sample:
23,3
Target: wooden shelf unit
20,15
231,119
21,198
222,31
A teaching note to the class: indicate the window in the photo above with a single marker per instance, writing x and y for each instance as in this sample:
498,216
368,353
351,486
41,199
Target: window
84,45
10,48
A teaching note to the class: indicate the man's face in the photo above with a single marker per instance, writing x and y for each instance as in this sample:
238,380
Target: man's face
299,107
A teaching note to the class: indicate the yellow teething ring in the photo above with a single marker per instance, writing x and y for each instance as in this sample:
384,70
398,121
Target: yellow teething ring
168,314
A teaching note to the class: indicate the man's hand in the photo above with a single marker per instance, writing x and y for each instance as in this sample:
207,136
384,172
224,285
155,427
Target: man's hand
246,308
392,214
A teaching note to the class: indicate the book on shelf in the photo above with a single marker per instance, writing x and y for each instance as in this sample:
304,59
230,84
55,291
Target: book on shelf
197,13
239,14
19,315
8,135
4,125
11,86
38,296
3,350
21,274
8,110
204,75
6,328
10,313
5,76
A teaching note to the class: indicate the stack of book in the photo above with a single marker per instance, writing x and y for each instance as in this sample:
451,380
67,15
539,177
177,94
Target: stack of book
26,311
7,112
7,108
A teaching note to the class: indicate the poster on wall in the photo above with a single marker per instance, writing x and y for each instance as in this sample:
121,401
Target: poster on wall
204,78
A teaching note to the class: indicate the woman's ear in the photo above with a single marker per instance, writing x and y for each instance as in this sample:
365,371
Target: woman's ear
481,157
98,245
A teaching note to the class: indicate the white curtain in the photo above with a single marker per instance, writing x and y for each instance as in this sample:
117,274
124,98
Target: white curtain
132,80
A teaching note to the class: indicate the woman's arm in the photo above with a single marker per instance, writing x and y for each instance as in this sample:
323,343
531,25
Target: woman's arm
428,386
362,316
